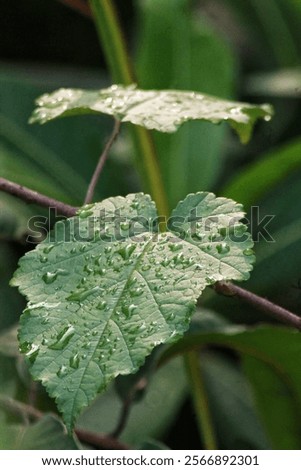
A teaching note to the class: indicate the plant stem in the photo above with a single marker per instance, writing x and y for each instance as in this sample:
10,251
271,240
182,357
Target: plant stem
127,405
101,162
225,288
101,441
123,419
114,47
200,400
28,195
78,5
271,309
112,41
18,408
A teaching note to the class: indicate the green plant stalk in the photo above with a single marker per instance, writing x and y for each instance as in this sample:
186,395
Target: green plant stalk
114,47
199,396
153,175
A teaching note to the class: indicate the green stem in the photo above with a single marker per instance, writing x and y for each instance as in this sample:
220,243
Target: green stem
114,47
199,395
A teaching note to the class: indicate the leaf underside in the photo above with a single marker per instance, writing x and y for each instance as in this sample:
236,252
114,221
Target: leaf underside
164,110
105,288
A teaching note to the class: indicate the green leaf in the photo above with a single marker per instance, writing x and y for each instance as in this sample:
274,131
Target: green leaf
47,434
105,288
264,174
278,350
230,401
163,110
152,444
270,394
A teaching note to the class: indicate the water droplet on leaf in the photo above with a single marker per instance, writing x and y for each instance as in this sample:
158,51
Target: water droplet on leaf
63,338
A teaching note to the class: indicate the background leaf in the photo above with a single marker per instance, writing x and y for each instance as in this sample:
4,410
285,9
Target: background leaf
47,434
261,176
276,351
231,403
270,394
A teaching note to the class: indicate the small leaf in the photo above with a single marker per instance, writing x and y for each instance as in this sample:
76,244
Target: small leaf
163,111
105,288
47,434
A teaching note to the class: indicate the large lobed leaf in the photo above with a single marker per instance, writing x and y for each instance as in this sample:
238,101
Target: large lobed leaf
163,110
105,288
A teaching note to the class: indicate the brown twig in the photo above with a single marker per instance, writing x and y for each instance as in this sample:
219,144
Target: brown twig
19,408
78,5
101,441
127,406
271,309
28,195
101,162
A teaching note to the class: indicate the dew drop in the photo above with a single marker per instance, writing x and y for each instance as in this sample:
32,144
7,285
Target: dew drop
83,294
50,277
248,252
102,305
43,259
62,372
178,259
48,248
199,267
124,225
145,267
32,353
175,246
223,248
126,251
63,338
88,269
135,205
129,310
74,361
132,281
136,292
165,262
85,211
